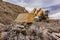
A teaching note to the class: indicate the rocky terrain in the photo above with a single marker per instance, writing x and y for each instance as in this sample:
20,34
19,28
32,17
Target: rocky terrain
8,12
36,31
15,31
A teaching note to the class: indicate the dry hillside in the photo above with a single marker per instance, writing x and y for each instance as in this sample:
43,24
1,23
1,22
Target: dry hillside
8,12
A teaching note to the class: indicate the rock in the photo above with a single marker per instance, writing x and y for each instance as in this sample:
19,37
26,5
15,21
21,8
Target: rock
33,32
3,35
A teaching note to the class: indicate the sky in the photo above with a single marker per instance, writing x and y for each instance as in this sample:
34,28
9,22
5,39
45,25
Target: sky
30,4
52,5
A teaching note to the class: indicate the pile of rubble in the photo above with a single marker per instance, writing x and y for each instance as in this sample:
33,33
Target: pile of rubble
33,32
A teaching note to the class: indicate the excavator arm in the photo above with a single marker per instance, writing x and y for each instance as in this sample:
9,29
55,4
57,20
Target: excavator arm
30,16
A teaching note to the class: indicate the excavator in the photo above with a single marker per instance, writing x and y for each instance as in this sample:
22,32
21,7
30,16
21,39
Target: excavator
35,15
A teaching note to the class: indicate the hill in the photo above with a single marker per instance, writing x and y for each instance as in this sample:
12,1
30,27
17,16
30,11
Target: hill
8,12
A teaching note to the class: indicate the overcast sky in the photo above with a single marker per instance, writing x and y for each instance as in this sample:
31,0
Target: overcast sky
30,4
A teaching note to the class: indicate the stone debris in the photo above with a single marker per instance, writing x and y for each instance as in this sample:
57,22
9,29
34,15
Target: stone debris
33,32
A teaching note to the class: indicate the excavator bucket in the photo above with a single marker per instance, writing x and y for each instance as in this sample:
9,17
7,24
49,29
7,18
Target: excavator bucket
26,17
21,18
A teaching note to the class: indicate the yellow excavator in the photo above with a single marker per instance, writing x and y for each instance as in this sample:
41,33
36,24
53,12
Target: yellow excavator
29,18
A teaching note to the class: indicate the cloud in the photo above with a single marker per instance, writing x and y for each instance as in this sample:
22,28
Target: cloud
30,4
39,3
55,16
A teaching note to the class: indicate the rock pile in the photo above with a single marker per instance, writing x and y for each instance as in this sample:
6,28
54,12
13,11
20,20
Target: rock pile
33,32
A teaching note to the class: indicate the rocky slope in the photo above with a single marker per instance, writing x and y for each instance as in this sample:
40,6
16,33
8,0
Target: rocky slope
8,12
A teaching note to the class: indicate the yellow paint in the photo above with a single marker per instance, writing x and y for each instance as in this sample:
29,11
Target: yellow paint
30,17
40,13
26,17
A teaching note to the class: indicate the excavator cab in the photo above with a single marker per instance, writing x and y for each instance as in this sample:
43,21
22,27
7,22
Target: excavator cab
46,15
46,12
